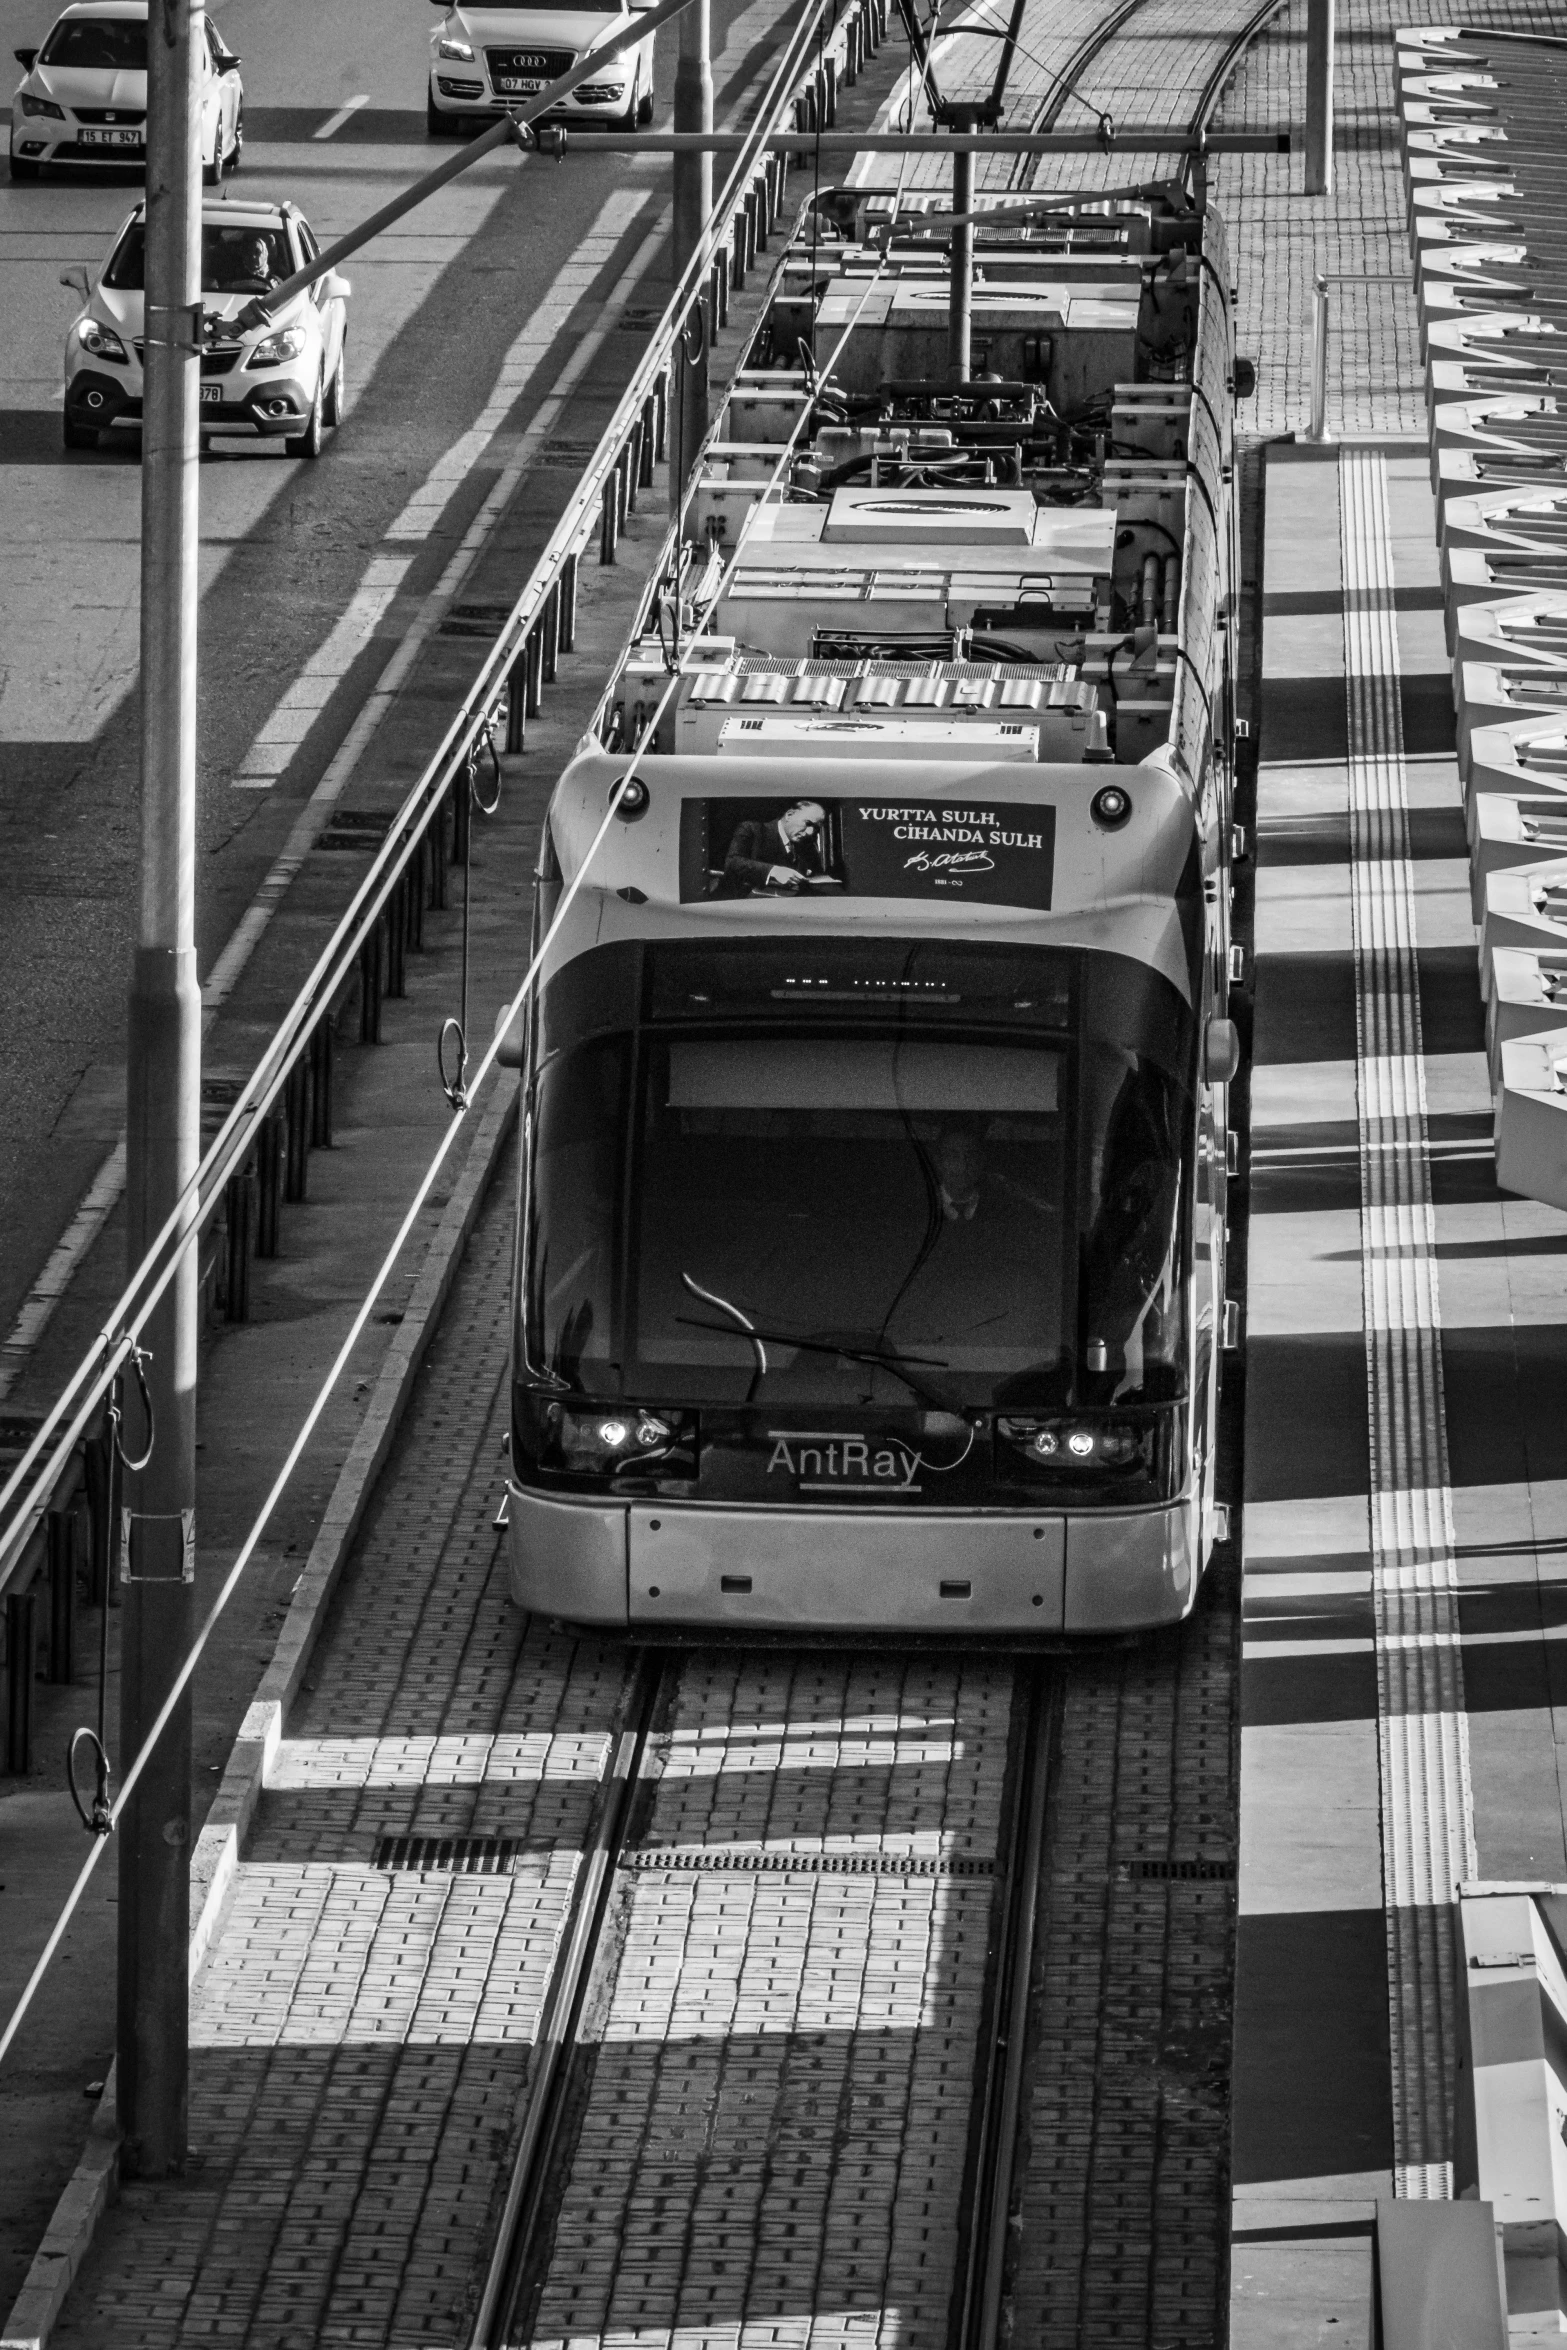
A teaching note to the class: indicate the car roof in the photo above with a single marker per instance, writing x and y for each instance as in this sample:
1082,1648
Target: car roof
126,11
251,211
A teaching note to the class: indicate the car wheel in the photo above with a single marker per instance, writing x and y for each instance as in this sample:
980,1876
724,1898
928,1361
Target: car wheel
237,152
212,172
645,110
629,120
78,436
308,442
332,401
21,169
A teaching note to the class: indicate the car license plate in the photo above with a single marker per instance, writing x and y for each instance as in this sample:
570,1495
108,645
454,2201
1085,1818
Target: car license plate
90,138
211,395
519,89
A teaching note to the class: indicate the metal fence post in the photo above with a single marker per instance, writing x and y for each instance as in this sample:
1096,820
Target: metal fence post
1319,361
19,1664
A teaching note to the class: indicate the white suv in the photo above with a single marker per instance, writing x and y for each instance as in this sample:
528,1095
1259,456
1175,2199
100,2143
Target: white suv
83,94
483,61
283,379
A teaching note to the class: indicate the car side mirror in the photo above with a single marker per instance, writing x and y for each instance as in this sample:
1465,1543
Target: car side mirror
25,58
76,279
231,64
1221,1052
335,288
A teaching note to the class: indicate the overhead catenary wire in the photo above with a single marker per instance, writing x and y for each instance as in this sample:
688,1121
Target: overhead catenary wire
383,1273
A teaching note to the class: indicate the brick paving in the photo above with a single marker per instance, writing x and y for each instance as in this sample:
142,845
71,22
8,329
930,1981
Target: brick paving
361,2036
776,2106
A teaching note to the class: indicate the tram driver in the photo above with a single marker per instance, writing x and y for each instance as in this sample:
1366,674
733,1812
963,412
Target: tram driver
780,855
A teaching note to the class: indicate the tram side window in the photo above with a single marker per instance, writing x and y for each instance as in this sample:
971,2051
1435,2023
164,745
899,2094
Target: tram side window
574,1211
1134,1139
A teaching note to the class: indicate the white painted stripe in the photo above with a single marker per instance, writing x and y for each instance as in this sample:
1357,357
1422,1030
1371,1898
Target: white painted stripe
38,1306
44,1296
330,128
1422,1730
522,362
308,695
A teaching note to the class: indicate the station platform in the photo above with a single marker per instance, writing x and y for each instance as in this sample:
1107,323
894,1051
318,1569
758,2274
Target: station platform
1404,1448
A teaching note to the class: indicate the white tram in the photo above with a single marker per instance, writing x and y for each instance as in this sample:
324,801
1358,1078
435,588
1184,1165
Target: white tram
870,1261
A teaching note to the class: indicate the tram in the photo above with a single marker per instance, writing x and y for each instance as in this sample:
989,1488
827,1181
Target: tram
870,1264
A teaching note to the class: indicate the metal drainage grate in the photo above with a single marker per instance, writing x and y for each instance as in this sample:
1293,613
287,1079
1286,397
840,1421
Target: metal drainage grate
459,1856
354,828
812,1864
1180,1872
475,620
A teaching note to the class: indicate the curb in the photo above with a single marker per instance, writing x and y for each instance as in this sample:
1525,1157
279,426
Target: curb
95,2181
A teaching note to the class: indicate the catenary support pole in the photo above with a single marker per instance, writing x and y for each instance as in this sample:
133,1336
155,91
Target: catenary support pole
163,1113
960,315
693,177
1319,97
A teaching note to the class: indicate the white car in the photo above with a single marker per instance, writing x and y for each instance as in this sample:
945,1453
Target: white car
83,94
484,60
283,379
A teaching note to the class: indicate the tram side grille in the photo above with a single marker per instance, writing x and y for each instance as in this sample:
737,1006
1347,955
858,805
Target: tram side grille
716,1859
458,1856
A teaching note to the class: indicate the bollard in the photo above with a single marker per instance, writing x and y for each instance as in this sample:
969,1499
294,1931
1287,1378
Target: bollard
270,1153
517,703
551,629
533,650
19,1665
607,522
568,605
370,984
1319,361
418,886
298,1120
323,1052
60,1545
634,466
239,1200
97,1468
648,428
396,919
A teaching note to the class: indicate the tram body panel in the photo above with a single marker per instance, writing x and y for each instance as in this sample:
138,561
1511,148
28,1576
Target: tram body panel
913,1149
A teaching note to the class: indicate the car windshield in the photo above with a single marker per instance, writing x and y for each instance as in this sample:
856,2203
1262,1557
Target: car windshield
971,1219
113,44
235,259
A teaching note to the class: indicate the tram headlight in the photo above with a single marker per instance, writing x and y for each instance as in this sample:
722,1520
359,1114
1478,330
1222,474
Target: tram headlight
1082,1445
585,1441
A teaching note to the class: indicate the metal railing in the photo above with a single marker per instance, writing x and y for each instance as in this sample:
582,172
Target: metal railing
285,1103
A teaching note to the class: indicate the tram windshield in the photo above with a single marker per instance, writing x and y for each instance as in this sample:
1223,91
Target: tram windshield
854,1211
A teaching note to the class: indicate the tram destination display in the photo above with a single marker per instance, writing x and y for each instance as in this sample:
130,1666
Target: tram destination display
983,851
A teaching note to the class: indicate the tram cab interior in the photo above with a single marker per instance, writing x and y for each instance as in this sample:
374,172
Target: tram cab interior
870,1263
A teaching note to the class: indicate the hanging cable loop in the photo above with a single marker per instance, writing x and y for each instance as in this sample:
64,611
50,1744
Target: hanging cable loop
453,1087
137,1357
99,1821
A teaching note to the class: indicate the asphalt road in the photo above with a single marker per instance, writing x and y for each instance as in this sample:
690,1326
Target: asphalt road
309,572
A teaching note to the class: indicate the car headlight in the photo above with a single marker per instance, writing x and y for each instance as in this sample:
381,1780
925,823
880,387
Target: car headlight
102,341
450,46
32,105
275,350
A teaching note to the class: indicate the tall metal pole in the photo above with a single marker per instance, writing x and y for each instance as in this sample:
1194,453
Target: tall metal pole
693,207
1319,97
163,1114
960,317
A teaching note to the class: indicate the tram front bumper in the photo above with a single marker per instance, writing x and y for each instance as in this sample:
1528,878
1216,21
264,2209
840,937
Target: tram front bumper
645,1567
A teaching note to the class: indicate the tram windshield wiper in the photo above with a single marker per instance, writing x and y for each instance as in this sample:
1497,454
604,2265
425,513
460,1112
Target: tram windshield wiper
887,1357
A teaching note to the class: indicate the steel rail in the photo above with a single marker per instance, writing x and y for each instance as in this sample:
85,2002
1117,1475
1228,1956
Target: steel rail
1214,87
550,2075
1075,67
622,461
994,2135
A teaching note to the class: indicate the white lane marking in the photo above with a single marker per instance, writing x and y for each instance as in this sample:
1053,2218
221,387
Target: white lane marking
44,1296
1428,1841
308,693
225,972
521,364
38,1306
334,124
